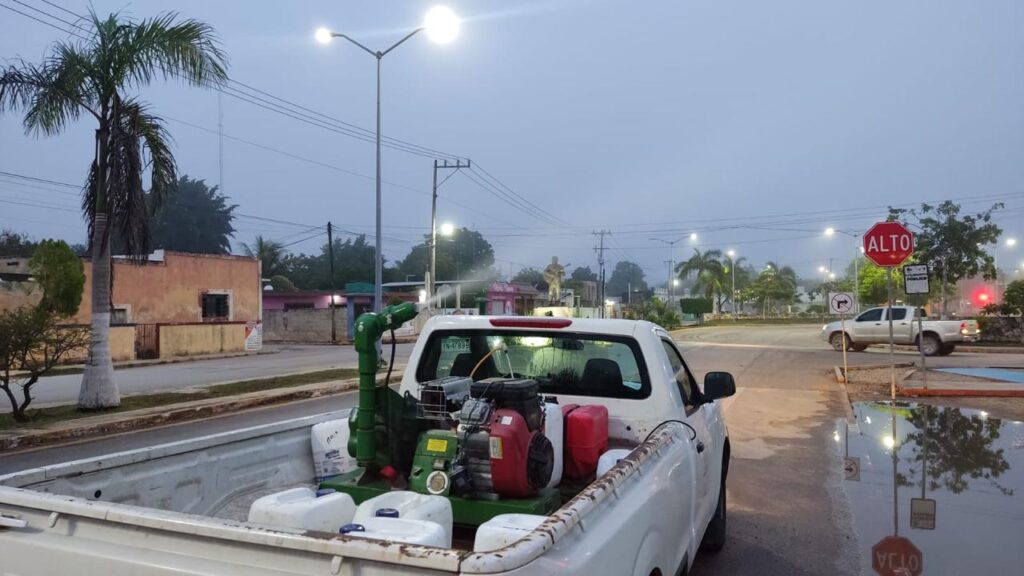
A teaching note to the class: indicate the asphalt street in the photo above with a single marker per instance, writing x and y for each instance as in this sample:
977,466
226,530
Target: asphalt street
280,359
788,512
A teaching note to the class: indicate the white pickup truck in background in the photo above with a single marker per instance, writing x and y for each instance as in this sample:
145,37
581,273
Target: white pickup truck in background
181,508
940,337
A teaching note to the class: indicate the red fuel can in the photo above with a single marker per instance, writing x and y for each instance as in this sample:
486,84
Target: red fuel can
586,438
510,444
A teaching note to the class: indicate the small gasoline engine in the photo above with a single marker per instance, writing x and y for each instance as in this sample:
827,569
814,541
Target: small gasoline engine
495,448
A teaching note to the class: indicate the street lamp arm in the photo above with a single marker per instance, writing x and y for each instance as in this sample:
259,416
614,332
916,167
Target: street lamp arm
399,43
340,35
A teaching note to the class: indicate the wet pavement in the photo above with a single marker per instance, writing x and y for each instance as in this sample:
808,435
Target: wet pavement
965,515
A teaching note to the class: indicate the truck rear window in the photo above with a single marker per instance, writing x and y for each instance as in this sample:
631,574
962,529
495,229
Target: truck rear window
563,363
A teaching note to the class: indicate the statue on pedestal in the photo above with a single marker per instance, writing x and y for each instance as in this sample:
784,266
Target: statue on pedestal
553,275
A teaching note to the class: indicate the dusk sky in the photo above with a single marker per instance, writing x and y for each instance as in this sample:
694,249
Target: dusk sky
754,124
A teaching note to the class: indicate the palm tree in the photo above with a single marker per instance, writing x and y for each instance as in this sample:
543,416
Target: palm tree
710,275
92,77
270,254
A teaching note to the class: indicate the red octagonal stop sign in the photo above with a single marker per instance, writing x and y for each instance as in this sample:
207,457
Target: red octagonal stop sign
896,556
888,244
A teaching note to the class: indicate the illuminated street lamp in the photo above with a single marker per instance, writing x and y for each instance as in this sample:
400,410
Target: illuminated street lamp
447,229
693,236
441,26
858,250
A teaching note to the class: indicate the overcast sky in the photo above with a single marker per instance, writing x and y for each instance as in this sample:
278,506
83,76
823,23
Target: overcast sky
755,124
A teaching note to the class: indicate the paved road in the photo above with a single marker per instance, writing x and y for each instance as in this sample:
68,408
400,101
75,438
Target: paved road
284,359
788,513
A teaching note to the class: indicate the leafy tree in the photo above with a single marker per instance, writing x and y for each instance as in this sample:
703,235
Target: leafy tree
625,277
658,311
15,244
93,77
583,274
31,344
270,253
282,284
775,286
193,218
1012,303
710,278
874,285
532,277
954,450
467,254
953,245
59,273
353,262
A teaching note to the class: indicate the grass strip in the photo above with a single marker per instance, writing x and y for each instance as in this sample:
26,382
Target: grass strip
40,417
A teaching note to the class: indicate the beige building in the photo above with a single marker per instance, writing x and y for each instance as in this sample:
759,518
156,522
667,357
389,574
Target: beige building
176,304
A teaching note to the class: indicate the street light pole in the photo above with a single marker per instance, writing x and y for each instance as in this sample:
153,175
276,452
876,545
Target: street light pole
856,264
671,260
442,25
732,269
433,221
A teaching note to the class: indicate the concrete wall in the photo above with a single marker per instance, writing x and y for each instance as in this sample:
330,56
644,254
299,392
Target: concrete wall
15,296
122,346
156,292
195,339
304,325
279,300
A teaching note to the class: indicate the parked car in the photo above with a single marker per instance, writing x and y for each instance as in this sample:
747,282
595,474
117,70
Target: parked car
938,337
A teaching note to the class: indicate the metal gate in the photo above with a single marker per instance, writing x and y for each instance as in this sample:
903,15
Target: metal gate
147,341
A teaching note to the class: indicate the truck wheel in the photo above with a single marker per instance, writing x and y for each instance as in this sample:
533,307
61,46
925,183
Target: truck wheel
714,536
838,340
858,347
947,349
930,344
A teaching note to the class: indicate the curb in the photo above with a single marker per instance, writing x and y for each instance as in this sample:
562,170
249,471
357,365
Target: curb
968,349
961,393
175,413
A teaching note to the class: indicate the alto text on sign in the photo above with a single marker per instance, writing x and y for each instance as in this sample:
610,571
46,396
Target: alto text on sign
888,244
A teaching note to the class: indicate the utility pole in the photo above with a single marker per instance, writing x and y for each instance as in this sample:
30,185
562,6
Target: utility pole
671,280
220,142
433,222
600,262
330,256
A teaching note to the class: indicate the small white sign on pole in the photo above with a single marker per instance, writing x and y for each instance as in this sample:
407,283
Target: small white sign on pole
851,468
922,513
916,278
840,302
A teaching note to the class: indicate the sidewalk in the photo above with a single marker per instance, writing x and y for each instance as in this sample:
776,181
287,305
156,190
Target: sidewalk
103,424
65,369
973,349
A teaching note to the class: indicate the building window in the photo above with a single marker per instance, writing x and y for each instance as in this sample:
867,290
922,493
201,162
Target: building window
119,315
216,307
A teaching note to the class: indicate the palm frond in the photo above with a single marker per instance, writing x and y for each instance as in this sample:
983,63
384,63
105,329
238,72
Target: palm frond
185,49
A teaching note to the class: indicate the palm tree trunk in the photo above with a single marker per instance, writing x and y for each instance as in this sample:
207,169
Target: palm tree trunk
99,390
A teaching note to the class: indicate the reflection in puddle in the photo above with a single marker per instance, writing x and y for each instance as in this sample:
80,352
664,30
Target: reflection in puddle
957,476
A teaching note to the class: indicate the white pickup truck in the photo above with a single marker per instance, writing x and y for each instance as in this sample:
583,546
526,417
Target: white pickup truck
940,337
180,508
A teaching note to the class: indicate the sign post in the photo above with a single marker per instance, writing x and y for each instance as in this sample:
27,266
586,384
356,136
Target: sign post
915,280
840,303
889,244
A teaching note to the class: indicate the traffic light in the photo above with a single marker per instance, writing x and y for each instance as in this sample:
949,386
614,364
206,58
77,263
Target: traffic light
983,296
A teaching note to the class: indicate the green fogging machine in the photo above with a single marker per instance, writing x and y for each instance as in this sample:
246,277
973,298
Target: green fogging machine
481,443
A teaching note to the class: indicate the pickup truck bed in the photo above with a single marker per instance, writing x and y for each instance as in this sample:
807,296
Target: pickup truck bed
177,508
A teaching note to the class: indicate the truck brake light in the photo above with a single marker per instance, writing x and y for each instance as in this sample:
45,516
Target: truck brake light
531,322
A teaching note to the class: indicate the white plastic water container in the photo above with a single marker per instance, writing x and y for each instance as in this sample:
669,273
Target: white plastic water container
301,509
554,429
403,530
504,529
330,449
609,459
410,506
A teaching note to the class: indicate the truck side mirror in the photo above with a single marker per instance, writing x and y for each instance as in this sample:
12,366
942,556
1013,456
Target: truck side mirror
719,385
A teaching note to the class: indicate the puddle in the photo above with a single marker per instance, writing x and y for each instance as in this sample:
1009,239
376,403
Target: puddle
965,516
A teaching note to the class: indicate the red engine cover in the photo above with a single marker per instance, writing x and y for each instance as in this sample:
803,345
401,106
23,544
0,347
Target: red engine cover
586,438
510,445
